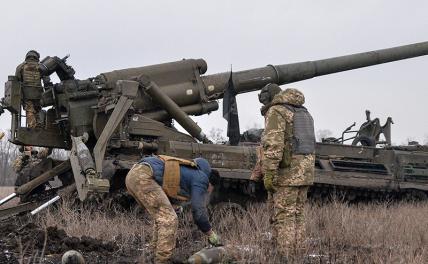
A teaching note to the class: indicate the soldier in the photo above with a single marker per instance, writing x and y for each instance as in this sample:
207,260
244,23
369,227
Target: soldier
155,179
29,156
288,165
23,159
29,75
265,97
256,173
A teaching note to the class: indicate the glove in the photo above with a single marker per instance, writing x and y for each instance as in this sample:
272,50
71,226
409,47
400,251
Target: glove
214,239
268,181
178,209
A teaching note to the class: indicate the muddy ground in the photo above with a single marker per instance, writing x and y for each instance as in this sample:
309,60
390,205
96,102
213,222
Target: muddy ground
22,241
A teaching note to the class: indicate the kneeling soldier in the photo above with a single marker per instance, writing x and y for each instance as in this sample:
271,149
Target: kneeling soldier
154,179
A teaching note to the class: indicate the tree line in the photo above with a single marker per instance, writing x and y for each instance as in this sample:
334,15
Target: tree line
8,154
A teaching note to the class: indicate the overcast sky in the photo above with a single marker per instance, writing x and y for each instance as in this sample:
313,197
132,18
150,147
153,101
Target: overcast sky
107,35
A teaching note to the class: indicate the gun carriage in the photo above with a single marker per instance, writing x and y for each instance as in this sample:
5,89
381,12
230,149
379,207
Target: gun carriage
109,121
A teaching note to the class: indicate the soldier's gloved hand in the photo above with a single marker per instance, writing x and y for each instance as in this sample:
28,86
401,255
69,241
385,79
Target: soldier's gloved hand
213,238
178,209
268,181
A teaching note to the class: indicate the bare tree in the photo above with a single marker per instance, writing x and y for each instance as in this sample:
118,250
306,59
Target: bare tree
216,135
323,133
8,153
254,125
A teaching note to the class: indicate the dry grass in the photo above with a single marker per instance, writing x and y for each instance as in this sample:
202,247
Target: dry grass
373,233
337,232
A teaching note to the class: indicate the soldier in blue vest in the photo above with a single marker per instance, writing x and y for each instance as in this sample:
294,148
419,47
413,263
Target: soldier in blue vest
155,179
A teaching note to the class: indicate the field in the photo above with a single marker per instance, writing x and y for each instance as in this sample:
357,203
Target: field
5,191
337,233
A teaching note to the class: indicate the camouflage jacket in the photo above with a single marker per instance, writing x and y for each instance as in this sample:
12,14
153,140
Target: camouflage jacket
29,75
292,170
256,173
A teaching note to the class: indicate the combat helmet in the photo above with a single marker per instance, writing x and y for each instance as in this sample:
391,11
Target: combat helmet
268,92
32,54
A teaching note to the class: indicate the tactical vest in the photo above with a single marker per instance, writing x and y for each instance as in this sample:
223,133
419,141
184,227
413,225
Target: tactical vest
31,81
171,175
303,140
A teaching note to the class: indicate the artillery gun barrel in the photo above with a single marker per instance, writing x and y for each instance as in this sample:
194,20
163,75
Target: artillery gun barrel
185,83
255,79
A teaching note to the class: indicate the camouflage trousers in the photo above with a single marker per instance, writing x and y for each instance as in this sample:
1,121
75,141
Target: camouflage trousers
288,217
32,109
149,194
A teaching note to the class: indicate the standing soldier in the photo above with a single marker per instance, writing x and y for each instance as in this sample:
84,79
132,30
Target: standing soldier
155,179
29,75
265,97
288,165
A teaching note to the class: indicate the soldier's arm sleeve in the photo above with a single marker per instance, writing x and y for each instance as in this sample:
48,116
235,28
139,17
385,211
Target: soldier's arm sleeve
273,140
199,209
256,173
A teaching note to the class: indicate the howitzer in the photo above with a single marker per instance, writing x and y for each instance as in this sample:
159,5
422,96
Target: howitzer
111,120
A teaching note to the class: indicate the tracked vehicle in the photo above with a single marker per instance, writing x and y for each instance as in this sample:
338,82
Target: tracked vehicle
370,167
108,122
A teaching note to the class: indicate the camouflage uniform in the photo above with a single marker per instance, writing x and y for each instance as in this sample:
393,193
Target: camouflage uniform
20,162
30,156
141,185
256,174
293,173
181,180
266,96
29,75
